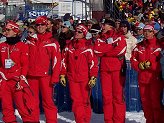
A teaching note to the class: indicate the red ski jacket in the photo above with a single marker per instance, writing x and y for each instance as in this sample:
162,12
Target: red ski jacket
148,50
18,53
79,62
44,56
111,48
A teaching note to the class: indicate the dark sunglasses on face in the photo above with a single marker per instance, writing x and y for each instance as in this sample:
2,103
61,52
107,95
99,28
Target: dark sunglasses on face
79,31
94,33
63,27
8,30
29,32
40,24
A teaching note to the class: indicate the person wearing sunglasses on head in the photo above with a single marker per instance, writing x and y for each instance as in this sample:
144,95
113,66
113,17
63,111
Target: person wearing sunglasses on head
95,31
146,61
44,68
80,66
139,32
13,70
65,35
111,47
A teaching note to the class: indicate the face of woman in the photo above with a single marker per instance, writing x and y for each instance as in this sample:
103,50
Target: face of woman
49,25
31,32
106,27
148,34
10,33
79,34
64,29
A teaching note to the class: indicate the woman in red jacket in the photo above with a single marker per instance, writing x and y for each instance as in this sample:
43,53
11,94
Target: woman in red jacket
80,65
146,60
13,69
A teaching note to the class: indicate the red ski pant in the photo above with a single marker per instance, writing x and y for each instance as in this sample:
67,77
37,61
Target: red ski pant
150,97
9,94
113,97
80,95
42,84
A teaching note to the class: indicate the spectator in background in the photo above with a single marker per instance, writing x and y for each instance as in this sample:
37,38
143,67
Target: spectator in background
89,25
117,23
95,32
31,31
91,22
131,41
52,26
65,35
57,27
139,32
68,17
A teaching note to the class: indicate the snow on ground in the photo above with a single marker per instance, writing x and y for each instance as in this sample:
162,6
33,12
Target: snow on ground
67,117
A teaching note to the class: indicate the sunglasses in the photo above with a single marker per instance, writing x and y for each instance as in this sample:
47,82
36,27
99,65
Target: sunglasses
29,32
138,29
8,30
40,24
94,33
79,31
63,26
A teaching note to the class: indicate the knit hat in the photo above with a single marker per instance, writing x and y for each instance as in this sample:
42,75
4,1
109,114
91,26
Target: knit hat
12,25
95,28
108,21
140,25
125,24
148,27
41,20
67,24
82,28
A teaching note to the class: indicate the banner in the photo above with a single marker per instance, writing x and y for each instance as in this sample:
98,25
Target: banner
36,13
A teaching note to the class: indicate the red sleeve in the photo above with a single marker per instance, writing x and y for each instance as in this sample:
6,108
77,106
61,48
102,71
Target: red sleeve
101,47
93,63
134,59
118,49
64,62
56,62
24,59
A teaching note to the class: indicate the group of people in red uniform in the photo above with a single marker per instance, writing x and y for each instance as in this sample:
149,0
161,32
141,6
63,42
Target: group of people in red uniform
35,66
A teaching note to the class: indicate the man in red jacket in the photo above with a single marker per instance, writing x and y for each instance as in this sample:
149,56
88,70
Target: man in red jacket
13,71
44,68
146,60
80,66
111,47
